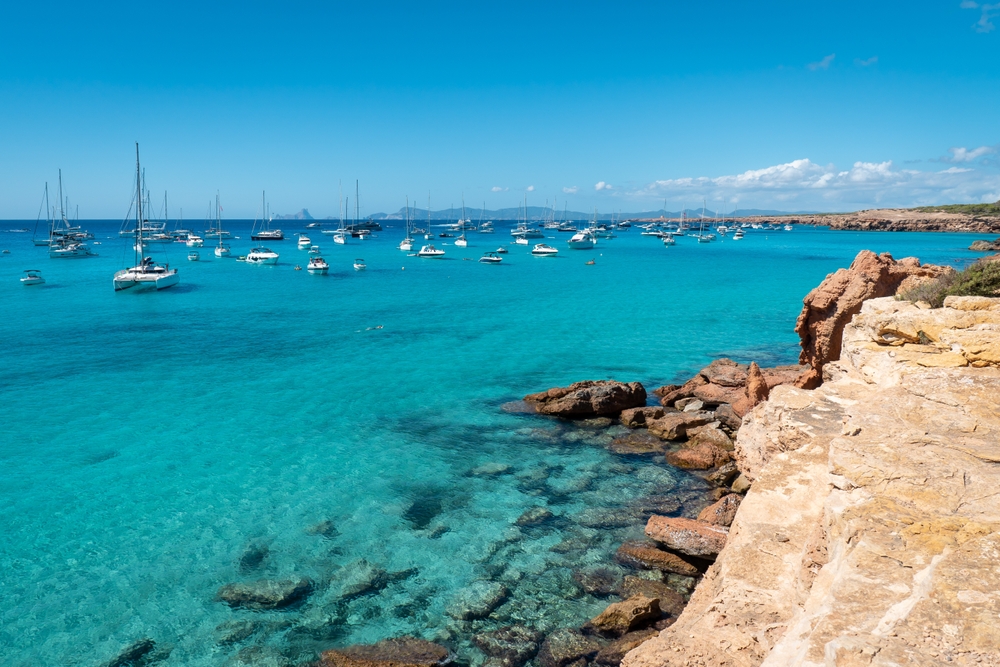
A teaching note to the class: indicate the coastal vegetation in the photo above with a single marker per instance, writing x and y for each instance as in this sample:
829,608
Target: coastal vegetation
992,210
979,279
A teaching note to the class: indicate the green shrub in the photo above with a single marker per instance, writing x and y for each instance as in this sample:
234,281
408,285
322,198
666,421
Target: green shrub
979,279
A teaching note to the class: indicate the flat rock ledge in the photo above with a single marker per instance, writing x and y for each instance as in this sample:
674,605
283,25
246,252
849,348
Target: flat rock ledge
580,400
871,532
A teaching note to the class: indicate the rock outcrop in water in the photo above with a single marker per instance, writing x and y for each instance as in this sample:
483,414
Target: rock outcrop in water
590,398
871,533
265,593
827,309
398,652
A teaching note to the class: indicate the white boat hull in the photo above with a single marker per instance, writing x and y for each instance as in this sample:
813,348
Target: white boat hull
141,280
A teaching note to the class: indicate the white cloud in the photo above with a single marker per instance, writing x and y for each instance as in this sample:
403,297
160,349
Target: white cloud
571,190
601,185
985,22
530,188
822,64
866,63
497,188
804,184
962,154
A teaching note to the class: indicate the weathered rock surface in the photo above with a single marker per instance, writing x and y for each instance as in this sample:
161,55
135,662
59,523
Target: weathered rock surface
637,417
827,309
754,393
985,246
723,382
512,645
671,602
137,653
265,593
612,654
687,536
871,533
589,399
648,556
675,425
700,456
565,646
536,516
398,652
627,615
600,581
723,511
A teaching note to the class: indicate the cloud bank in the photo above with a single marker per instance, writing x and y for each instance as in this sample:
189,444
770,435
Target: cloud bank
822,64
806,184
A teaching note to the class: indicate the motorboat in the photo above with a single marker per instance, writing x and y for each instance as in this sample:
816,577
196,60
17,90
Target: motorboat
788,228
316,265
582,241
193,256
32,277
430,252
217,234
738,235
445,235
360,233
486,228
567,228
64,249
544,250
304,242
523,231
668,240
520,240
314,250
194,241
359,265
147,274
406,244
501,250
261,255
490,258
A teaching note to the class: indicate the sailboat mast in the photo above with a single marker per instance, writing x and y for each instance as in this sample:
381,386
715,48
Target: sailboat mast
62,211
357,203
138,205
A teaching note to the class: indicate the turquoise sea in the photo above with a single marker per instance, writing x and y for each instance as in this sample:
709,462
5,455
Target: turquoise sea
255,422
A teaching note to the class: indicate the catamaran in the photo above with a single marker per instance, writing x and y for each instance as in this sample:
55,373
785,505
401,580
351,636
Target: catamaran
146,274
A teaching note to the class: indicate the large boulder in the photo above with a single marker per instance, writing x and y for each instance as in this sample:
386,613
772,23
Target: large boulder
636,417
565,646
701,456
827,309
589,399
398,652
723,381
511,645
755,392
478,600
671,602
675,425
265,593
612,654
723,511
650,557
687,536
631,614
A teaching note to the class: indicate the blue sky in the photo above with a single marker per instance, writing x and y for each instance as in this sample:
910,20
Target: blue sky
788,105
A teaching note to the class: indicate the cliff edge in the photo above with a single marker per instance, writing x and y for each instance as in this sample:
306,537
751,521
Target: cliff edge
871,532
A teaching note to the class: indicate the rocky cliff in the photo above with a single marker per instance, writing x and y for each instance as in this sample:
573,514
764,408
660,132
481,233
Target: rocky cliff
871,532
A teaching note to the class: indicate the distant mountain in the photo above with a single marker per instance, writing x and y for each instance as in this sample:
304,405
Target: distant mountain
301,215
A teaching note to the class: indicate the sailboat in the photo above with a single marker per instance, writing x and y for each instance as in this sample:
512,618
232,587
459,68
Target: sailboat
66,242
221,250
146,274
461,241
407,243
44,240
265,233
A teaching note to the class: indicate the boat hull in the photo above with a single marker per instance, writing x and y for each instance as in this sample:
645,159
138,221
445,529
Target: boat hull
139,281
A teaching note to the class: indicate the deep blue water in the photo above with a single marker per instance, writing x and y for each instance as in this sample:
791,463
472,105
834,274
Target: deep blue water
148,440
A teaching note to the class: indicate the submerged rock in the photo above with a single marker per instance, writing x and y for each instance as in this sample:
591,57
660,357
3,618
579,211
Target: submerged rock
359,578
478,600
512,645
599,581
265,593
639,442
323,528
398,652
589,399
253,557
536,516
136,654
566,646
259,656
671,601
490,469
687,536
231,632
648,556
631,614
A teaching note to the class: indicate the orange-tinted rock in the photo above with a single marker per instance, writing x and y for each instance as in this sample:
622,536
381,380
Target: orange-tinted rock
674,425
827,309
398,652
756,391
631,614
589,399
636,417
687,536
700,457
612,654
648,556
723,512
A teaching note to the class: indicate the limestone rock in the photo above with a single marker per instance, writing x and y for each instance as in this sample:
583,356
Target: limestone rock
687,536
599,581
985,246
714,436
512,645
491,469
674,425
630,614
589,399
671,602
478,600
722,512
650,557
638,442
636,417
566,646
265,593
398,652
755,393
701,456
536,516
829,308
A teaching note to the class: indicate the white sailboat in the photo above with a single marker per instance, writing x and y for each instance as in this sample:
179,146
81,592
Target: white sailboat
146,274
264,232
461,241
406,244
221,250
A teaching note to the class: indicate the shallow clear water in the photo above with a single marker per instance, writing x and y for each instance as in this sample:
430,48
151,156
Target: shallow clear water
149,439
